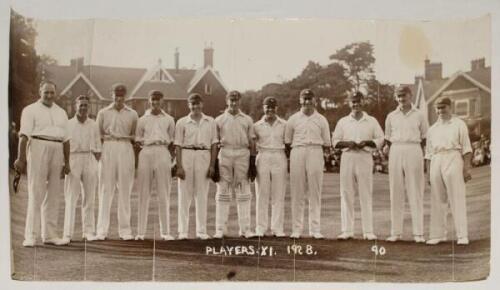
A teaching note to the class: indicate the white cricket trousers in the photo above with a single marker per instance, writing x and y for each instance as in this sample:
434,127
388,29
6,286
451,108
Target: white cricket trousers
306,180
45,188
447,184
356,175
270,182
406,174
116,172
233,167
83,176
195,164
154,169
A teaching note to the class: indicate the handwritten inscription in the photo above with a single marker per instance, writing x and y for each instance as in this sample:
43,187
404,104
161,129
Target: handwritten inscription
248,250
262,250
379,251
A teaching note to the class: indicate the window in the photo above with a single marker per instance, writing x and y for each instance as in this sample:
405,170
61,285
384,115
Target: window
472,107
467,102
462,108
208,89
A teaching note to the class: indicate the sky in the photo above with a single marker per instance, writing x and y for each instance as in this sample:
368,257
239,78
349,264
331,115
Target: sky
249,53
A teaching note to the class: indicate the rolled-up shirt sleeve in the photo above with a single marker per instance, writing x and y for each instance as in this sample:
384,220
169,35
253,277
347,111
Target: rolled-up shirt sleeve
250,130
135,120
253,133
171,130
325,134
424,126
139,131
289,132
96,144
388,127
464,139
213,133
338,134
100,123
179,133
67,134
428,147
378,134
27,123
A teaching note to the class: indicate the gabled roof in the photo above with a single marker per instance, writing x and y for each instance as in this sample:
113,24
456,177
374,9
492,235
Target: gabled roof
199,76
431,87
147,76
420,101
102,78
182,76
85,79
170,90
483,76
105,77
452,79
60,75
418,93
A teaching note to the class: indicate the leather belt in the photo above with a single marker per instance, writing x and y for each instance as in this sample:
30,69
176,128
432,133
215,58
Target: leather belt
405,143
195,148
109,138
271,149
46,139
156,143
446,151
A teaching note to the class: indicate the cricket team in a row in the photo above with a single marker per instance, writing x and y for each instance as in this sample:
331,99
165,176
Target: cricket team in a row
77,156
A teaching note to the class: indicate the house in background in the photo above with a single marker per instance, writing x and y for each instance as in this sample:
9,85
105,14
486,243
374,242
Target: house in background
176,84
469,91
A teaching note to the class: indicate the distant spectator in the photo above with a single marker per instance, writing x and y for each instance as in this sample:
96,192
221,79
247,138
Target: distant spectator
481,152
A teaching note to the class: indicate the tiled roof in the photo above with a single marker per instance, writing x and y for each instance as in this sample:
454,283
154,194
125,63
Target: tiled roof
182,76
482,75
60,75
170,90
104,77
430,87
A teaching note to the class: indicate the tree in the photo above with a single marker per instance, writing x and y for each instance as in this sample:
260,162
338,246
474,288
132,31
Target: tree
44,61
351,70
22,65
250,103
383,101
358,60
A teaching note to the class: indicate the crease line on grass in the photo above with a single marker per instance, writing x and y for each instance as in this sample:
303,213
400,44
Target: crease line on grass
258,260
375,257
453,256
294,269
154,251
34,264
85,260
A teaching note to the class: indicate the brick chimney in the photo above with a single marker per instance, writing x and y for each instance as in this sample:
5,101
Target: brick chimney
176,58
433,71
476,64
208,59
77,64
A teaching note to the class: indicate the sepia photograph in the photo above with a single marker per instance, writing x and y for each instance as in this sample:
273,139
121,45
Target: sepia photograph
208,149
